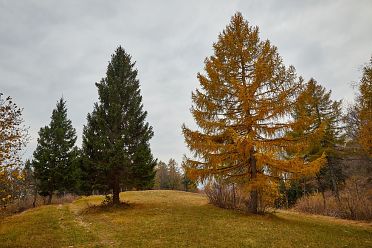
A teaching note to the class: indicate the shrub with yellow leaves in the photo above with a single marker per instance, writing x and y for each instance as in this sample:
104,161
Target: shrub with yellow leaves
13,137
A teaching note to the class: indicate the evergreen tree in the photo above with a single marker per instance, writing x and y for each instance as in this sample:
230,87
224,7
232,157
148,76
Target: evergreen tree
92,151
55,153
83,174
315,107
116,138
242,111
187,182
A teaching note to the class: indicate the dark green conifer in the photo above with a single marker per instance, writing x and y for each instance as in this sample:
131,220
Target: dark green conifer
55,153
315,106
116,137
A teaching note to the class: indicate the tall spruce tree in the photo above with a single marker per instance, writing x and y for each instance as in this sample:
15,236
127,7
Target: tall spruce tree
242,111
55,153
316,109
116,137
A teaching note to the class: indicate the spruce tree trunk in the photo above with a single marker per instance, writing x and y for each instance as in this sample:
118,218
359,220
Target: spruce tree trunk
116,191
333,179
50,198
320,185
253,206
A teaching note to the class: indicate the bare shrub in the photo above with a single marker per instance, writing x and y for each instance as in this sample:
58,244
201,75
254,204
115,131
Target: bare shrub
355,202
235,196
29,201
314,204
66,198
223,195
356,199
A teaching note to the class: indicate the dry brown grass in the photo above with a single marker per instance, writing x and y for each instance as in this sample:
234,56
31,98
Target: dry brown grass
22,204
355,202
172,219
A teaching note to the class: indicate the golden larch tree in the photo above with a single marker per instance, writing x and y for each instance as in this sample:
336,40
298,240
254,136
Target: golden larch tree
364,105
243,111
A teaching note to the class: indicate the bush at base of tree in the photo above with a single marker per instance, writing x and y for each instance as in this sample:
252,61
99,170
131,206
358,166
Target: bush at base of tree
224,195
234,196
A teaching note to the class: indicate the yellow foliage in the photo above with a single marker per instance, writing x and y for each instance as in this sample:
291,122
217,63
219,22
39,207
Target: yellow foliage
12,140
365,109
243,110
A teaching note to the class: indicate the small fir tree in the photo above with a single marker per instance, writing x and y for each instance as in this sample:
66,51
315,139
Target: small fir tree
189,185
55,153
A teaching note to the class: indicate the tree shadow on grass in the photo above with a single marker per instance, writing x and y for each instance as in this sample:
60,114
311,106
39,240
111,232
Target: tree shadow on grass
106,207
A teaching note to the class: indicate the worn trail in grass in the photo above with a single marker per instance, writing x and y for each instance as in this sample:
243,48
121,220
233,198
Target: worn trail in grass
172,219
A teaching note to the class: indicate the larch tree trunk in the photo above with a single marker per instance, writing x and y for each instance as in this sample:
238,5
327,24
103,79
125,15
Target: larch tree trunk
253,206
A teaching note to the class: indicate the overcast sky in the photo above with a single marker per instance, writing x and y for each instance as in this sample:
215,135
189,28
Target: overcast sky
50,49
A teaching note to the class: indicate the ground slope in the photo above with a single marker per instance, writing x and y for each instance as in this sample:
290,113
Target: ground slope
173,219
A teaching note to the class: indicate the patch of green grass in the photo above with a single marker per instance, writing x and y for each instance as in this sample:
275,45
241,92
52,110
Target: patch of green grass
173,219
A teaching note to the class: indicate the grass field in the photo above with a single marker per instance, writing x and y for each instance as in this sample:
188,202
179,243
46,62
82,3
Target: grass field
173,219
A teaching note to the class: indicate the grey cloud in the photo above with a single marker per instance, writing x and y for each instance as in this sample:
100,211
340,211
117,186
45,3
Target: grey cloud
54,48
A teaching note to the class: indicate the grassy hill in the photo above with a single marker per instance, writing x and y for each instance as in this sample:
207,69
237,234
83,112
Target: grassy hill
173,219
